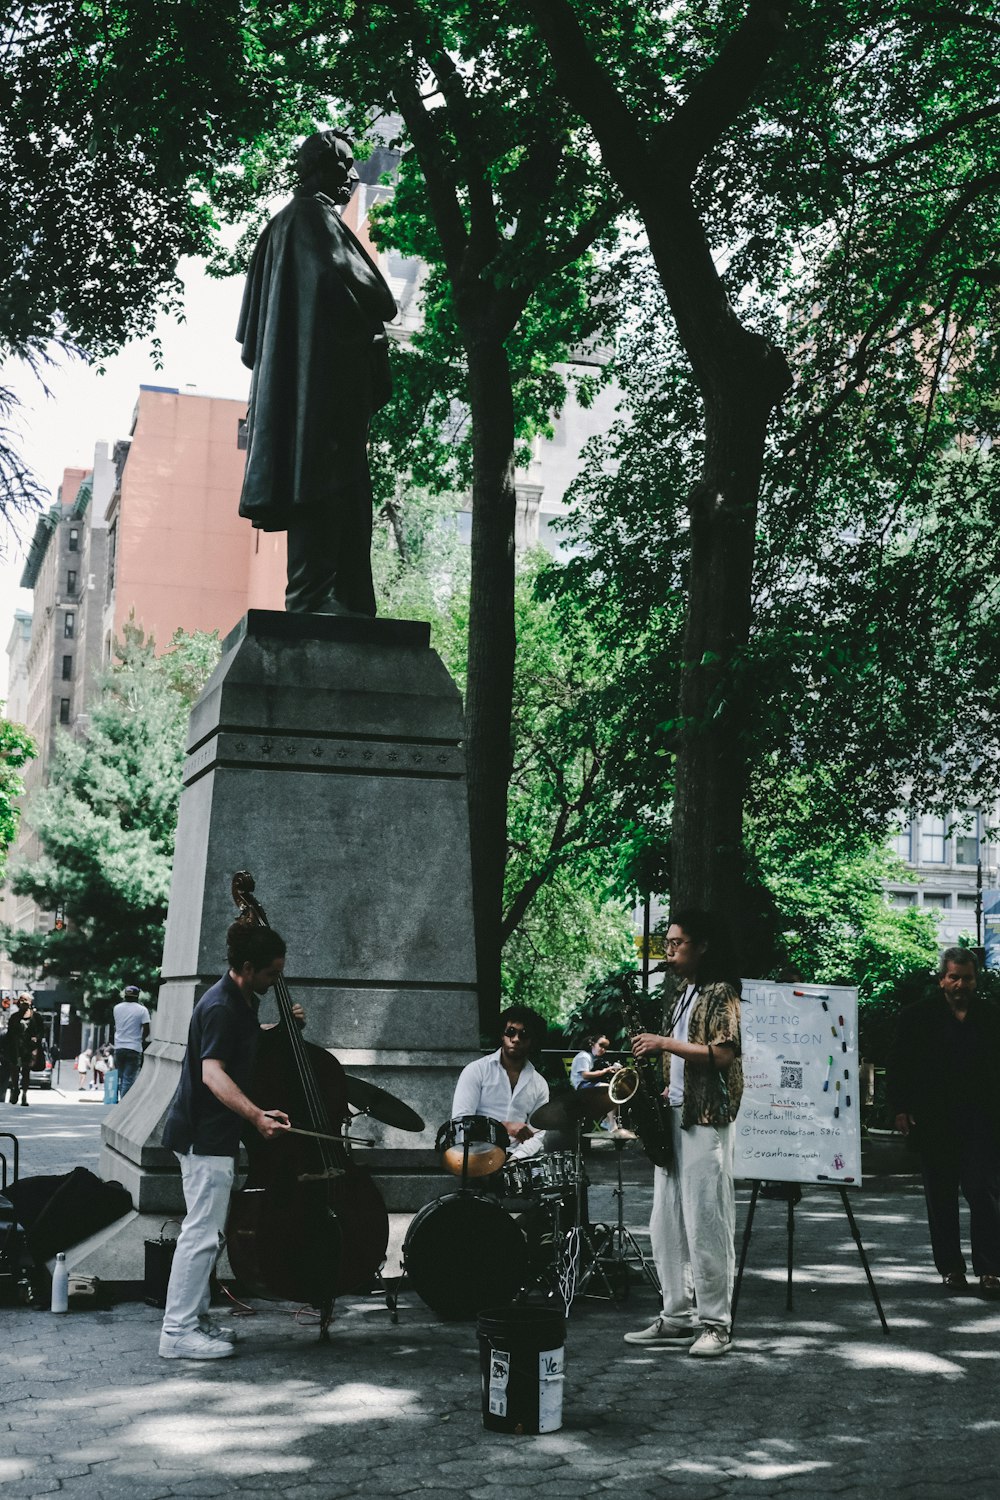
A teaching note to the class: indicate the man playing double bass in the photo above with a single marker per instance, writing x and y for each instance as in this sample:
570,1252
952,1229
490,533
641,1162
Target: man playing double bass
203,1127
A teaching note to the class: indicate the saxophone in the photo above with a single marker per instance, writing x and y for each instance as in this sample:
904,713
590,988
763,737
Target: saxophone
639,1086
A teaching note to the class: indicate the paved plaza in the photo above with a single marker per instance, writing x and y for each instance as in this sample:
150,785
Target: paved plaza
815,1401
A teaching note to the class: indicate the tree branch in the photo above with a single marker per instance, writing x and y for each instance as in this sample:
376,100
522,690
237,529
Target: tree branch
441,190
720,94
589,88
932,138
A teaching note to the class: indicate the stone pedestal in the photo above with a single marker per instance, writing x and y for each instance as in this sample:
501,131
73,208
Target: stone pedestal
324,757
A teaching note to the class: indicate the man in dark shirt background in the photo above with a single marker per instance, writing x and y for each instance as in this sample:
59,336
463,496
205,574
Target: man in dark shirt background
203,1127
942,1084
22,1043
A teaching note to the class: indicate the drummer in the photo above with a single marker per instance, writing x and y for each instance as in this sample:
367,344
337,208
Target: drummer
505,1085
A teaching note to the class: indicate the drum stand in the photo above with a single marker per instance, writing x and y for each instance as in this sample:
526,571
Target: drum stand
590,1242
619,1250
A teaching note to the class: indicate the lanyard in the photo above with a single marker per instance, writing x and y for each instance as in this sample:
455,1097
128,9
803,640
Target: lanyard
683,1006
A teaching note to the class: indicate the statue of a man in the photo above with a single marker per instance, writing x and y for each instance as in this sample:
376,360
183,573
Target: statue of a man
312,331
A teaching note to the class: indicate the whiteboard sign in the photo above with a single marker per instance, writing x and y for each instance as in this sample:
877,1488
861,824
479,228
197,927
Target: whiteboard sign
800,1119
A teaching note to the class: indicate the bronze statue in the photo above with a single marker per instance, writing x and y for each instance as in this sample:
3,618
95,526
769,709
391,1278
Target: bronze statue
312,331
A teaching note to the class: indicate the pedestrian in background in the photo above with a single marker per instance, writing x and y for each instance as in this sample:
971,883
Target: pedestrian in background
131,1037
5,1010
24,1035
942,1088
83,1067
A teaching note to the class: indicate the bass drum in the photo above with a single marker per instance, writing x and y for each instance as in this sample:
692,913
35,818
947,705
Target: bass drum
462,1253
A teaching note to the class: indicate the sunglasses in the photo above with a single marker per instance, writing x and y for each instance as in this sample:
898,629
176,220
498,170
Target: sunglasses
516,1031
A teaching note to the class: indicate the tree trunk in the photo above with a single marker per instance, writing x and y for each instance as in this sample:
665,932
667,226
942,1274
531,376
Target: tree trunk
491,652
707,832
741,378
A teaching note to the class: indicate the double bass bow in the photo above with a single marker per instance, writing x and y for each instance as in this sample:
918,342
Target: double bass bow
309,1224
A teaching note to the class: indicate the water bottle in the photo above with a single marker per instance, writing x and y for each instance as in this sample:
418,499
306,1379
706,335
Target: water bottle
60,1285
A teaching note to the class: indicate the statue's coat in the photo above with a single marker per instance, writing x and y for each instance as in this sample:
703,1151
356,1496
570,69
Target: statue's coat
311,327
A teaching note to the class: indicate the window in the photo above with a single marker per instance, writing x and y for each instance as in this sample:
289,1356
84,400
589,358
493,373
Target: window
902,898
67,668
112,552
71,581
69,625
74,539
940,899
966,902
903,843
932,841
967,839
64,710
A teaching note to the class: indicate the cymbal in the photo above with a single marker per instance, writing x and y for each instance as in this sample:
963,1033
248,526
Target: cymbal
567,1110
381,1105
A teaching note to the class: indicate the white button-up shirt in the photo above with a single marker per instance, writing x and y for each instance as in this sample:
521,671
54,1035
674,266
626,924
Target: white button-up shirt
483,1088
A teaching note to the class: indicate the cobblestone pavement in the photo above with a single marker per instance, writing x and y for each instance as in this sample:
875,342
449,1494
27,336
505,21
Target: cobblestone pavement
813,1401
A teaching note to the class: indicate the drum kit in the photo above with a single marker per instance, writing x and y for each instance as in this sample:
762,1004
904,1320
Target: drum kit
518,1225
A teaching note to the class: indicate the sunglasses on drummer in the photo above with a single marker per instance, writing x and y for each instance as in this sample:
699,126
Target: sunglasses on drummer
518,1032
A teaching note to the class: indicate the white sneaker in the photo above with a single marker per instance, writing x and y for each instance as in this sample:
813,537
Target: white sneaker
663,1335
195,1345
213,1330
711,1342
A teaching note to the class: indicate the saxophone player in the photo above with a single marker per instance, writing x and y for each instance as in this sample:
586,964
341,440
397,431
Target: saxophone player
693,1222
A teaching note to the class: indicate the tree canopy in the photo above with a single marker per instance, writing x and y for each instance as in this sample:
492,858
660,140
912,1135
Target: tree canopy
17,748
818,185
107,819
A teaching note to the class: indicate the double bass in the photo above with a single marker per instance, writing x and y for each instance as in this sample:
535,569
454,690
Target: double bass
309,1224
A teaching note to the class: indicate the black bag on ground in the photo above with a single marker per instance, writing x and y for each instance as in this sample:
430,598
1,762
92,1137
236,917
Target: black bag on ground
59,1212
15,1261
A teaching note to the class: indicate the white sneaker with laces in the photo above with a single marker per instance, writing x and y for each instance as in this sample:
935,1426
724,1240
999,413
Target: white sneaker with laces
213,1330
663,1335
194,1345
710,1343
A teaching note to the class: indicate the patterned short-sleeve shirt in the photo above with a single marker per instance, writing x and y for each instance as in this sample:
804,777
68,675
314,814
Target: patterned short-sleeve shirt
711,1095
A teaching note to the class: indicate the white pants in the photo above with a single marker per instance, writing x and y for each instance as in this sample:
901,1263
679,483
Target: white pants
207,1182
693,1226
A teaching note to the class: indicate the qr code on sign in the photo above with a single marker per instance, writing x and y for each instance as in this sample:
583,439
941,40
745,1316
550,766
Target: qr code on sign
791,1075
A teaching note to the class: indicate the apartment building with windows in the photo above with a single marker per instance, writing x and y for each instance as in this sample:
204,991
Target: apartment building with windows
948,860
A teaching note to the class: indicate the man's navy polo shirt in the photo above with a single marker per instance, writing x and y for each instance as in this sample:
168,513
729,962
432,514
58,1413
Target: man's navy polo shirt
223,1027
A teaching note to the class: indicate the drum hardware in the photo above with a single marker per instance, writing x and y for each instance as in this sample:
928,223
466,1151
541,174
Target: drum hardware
576,1246
619,1249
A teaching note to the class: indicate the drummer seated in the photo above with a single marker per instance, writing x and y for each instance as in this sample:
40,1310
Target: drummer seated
505,1085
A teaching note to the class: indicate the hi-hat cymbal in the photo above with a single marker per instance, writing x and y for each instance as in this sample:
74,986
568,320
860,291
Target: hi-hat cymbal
567,1110
381,1105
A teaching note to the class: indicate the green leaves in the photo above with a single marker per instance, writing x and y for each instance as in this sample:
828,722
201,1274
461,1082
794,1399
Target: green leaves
107,819
16,749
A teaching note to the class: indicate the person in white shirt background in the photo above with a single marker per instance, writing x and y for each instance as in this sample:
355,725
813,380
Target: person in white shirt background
131,1035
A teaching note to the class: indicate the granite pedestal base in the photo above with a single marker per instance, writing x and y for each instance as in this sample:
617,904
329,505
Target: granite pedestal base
325,757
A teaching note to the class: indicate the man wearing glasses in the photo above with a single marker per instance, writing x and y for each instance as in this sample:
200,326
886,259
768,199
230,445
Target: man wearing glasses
505,1085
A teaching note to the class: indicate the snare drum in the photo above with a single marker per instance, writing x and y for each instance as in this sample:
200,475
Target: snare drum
488,1141
557,1171
462,1253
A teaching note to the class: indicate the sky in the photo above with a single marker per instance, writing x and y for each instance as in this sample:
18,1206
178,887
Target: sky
59,431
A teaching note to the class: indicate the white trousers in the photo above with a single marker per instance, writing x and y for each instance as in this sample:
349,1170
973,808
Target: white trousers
208,1183
693,1226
